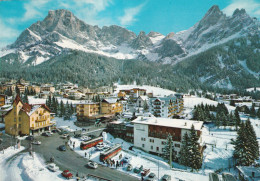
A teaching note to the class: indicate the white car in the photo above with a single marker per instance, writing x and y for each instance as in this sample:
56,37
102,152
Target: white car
85,138
53,167
64,136
92,164
49,132
36,142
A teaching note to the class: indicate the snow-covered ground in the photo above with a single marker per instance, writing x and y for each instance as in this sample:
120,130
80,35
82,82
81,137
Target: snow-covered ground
190,102
253,89
23,167
157,91
36,100
66,124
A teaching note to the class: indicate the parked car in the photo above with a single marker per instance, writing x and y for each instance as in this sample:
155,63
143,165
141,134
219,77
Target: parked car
166,177
46,134
36,142
129,167
92,136
49,132
138,169
92,164
126,159
151,177
145,172
67,174
29,138
62,148
56,130
77,136
53,167
65,136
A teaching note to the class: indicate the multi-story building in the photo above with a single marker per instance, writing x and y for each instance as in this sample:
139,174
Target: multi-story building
86,111
166,107
141,101
107,108
26,119
111,106
150,133
48,88
34,88
135,93
2,99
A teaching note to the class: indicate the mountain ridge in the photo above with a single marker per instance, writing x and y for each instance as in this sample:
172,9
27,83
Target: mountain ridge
61,32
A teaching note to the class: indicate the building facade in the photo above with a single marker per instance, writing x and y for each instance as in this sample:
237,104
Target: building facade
150,133
2,99
87,111
26,119
166,107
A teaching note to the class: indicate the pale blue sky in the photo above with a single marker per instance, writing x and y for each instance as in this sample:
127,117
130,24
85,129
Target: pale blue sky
162,16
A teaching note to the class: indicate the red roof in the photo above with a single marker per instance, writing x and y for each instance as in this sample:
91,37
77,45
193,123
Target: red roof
17,99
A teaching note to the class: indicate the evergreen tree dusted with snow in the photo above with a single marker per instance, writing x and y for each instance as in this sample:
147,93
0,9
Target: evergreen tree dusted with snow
195,156
252,139
237,118
62,109
168,149
258,113
190,154
242,152
184,152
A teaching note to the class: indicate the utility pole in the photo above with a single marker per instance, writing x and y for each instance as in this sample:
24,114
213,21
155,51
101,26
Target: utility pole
158,167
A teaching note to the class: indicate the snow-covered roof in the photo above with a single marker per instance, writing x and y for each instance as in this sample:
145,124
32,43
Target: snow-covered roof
110,100
168,122
247,172
144,97
34,108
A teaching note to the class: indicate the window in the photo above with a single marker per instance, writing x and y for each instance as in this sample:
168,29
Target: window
163,142
157,148
152,140
142,139
14,119
177,145
163,149
20,119
151,147
20,126
143,145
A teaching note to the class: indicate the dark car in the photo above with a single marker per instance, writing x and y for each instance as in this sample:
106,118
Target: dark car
151,177
31,138
62,148
77,136
166,178
46,134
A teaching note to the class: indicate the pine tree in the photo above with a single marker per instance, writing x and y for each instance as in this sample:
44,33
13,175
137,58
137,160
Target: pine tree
252,111
62,109
195,156
252,139
167,149
237,118
67,111
17,90
145,106
184,152
258,113
25,99
242,152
